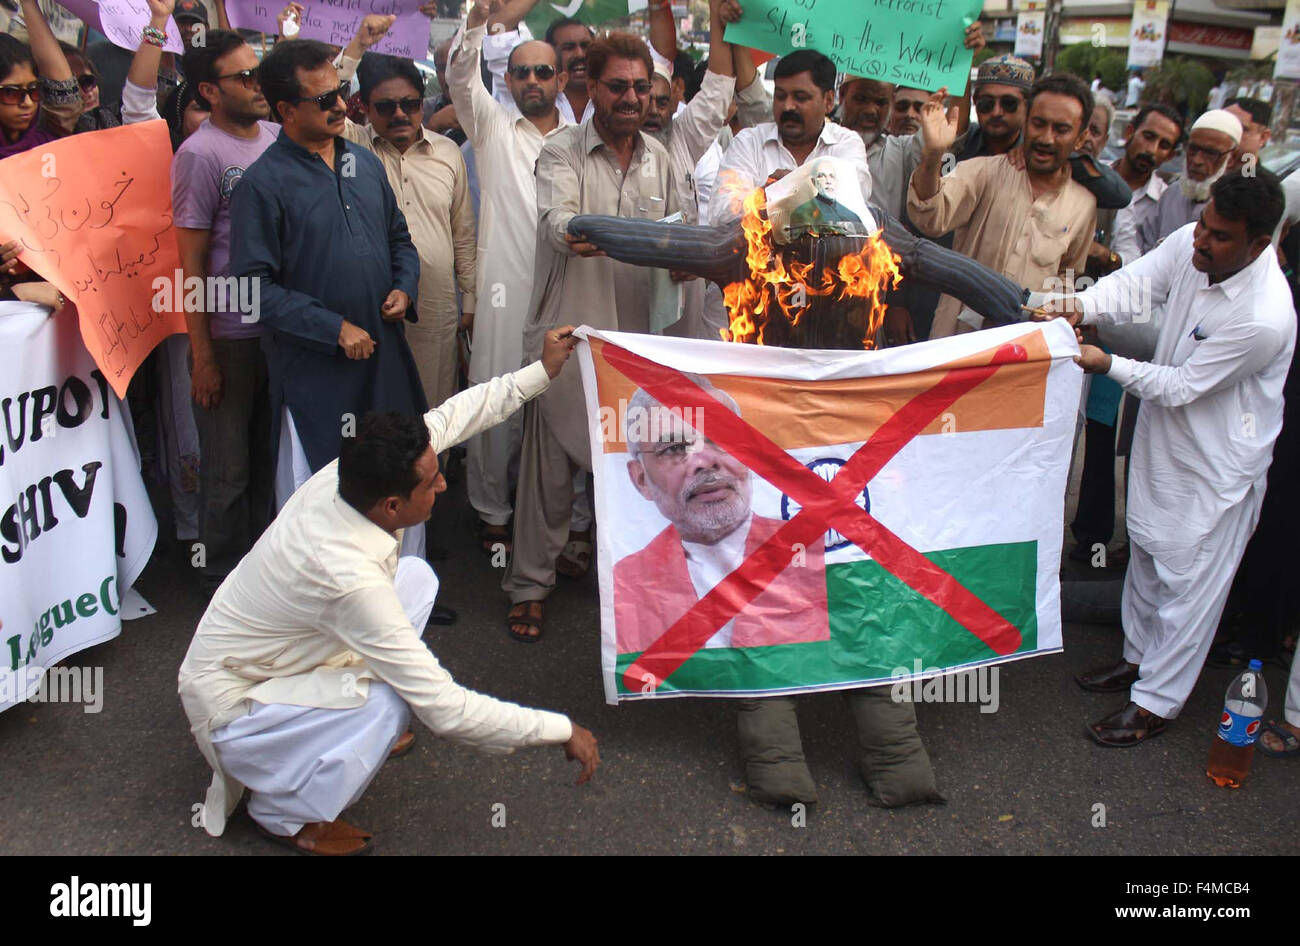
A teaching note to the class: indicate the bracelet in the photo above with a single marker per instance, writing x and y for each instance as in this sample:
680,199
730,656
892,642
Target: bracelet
153,36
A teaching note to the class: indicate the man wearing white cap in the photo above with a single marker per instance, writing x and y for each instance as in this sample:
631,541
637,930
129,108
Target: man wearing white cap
1209,148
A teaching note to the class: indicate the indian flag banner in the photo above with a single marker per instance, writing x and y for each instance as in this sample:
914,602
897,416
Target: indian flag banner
779,521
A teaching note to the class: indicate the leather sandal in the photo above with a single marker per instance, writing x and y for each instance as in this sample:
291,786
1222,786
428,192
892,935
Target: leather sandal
1112,678
1127,727
527,619
403,745
324,839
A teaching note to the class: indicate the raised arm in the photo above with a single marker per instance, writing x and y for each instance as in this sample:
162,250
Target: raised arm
663,31
478,112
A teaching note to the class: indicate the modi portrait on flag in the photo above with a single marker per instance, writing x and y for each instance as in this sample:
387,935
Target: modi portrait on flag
706,496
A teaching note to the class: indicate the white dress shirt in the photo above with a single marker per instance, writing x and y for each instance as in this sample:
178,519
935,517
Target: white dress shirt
566,109
310,615
1128,221
756,152
1212,393
506,146
709,564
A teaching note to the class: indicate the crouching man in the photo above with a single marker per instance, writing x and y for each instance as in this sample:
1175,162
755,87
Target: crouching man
307,663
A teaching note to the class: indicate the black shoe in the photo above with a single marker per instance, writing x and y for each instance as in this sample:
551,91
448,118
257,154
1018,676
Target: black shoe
442,616
1113,678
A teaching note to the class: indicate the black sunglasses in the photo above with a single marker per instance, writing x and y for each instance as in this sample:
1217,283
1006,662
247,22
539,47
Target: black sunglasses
325,100
87,81
986,103
14,94
247,76
620,86
543,73
388,107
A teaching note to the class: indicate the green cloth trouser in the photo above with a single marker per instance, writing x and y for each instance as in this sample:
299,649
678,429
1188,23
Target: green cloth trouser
892,759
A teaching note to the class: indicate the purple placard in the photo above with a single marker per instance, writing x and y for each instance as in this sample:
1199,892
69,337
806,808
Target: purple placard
121,21
336,21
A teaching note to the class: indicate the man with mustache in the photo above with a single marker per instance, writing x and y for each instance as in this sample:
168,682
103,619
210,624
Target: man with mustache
320,228
228,380
1209,148
705,495
800,131
1212,408
1032,223
427,173
572,40
507,140
905,118
1153,136
606,165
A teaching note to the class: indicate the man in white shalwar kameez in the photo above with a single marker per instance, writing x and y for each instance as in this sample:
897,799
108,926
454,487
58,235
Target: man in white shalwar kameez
1212,407
307,663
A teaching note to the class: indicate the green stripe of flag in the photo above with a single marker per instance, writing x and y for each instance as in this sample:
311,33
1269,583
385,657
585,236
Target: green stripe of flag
878,625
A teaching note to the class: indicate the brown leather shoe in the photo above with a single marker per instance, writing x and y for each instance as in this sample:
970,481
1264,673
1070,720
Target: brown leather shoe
324,839
403,745
1112,678
1127,727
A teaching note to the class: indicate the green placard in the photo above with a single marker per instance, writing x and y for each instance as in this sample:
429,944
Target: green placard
907,42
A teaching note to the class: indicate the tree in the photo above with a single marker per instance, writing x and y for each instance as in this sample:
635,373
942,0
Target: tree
1179,82
1085,61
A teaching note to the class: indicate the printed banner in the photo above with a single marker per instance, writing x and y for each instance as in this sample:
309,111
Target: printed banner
780,521
94,215
919,43
336,22
1030,25
77,529
1147,34
1288,50
122,21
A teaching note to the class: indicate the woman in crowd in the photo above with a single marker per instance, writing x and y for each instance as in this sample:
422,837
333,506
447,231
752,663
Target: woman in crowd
39,98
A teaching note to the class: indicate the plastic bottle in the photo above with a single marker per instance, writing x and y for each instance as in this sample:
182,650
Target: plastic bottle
290,26
1243,714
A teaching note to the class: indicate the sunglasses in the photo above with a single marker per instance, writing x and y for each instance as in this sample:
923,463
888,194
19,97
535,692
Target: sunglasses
620,86
325,101
87,81
986,103
247,76
388,107
14,94
543,73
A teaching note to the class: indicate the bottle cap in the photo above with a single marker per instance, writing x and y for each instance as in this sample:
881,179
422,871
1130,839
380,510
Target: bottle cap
1255,664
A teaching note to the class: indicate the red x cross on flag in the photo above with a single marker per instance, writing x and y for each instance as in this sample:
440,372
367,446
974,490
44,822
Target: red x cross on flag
741,585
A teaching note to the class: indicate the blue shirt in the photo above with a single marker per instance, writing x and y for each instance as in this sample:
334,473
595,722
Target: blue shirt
327,245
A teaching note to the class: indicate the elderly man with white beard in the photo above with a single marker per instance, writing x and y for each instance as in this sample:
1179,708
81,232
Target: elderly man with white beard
1209,148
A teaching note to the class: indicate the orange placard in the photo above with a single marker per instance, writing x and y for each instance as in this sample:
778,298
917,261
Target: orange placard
93,213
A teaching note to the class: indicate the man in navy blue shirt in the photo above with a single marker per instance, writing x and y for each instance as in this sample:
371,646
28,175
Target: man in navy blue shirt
315,221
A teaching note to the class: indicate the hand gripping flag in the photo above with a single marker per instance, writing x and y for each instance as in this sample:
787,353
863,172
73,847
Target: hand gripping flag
778,521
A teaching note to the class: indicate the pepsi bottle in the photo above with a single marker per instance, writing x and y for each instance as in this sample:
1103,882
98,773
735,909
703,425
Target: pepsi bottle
1243,714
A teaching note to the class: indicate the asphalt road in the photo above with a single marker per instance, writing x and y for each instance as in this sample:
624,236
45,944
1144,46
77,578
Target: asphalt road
1022,780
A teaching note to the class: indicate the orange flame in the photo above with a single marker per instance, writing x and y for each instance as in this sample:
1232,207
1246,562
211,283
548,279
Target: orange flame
772,288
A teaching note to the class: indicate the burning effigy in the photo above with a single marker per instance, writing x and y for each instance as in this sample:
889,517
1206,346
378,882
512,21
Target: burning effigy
808,263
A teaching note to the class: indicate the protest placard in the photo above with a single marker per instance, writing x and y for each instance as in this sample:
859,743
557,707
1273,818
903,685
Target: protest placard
336,22
919,43
93,214
122,20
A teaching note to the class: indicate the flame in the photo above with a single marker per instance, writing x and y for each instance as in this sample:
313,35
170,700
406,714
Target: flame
772,288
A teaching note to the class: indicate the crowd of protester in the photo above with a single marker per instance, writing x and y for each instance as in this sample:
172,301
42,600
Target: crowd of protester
406,244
